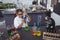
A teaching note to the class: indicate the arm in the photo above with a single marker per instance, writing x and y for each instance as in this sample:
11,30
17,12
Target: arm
25,11
17,24
20,25
28,17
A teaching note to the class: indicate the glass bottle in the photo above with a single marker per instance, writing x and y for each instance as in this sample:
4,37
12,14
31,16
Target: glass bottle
34,29
9,30
38,22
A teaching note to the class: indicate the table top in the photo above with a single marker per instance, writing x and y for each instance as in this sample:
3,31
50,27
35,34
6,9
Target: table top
27,35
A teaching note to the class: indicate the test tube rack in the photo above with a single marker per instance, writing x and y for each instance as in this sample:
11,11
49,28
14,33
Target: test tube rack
51,36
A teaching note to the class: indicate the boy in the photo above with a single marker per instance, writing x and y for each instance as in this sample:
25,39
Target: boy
19,21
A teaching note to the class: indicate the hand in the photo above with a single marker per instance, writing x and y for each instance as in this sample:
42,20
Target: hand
20,25
23,20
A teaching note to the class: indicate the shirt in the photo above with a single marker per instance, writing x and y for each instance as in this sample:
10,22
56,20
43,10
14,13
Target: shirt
18,21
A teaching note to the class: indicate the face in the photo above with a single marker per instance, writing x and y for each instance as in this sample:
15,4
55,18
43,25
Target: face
19,14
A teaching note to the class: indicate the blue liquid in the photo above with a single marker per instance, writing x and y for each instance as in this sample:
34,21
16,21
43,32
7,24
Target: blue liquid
38,24
24,16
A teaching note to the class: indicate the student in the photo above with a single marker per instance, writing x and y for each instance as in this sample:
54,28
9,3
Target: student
19,22
48,13
50,24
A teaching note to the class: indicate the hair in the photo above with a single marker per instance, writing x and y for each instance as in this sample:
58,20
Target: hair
18,10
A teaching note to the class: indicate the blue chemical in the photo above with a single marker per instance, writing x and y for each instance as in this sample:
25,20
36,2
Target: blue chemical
24,16
39,23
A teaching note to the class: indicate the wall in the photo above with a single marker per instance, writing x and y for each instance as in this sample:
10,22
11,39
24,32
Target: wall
0,0
56,17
